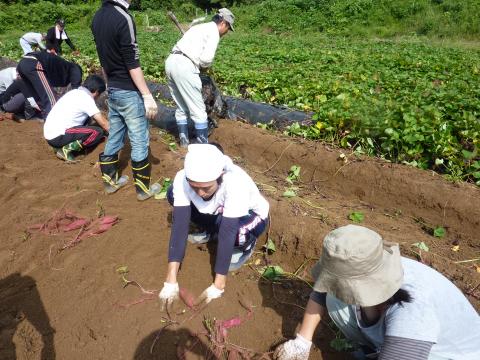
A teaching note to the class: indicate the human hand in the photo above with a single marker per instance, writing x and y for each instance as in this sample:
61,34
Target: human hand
151,108
168,294
296,349
210,293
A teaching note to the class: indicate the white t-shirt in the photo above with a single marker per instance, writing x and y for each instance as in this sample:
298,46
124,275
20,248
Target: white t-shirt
439,313
71,110
7,76
200,43
235,197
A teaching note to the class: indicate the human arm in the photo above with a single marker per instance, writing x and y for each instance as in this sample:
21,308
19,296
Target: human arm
299,348
100,119
208,53
176,252
50,38
399,348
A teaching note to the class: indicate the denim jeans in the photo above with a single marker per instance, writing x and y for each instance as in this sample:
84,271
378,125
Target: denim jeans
127,114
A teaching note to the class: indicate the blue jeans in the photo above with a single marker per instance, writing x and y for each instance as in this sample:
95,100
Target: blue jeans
126,112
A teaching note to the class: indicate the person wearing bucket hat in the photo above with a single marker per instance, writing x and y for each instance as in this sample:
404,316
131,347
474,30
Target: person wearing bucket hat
387,306
193,52
220,197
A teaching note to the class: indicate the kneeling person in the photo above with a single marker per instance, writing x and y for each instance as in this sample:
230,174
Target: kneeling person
65,128
213,193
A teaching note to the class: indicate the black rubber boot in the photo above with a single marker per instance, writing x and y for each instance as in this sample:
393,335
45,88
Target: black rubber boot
141,177
109,169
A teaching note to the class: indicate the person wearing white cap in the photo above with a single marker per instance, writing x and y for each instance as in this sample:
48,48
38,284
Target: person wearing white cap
219,196
193,52
389,307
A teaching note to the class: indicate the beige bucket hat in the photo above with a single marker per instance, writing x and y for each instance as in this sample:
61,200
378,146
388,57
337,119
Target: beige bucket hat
358,267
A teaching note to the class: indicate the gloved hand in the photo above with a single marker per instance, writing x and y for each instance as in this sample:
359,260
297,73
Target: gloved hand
210,293
168,294
151,108
296,349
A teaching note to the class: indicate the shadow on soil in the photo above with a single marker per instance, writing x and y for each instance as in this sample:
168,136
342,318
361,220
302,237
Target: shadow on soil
20,301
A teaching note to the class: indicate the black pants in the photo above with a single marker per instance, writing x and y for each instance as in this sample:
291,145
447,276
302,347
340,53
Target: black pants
88,135
37,84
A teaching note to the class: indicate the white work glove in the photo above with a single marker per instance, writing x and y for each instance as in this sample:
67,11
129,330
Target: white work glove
151,108
296,349
168,294
210,293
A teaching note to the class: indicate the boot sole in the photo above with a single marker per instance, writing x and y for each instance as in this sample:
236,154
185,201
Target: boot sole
66,160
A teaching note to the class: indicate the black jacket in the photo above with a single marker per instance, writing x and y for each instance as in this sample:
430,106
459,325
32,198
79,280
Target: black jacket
115,36
56,44
58,71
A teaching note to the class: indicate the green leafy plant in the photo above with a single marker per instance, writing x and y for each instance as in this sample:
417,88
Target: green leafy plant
293,174
422,246
163,192
439,232
356,216
273,272
269,247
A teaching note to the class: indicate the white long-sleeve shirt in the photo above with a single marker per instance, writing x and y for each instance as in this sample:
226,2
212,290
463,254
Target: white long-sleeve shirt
200,44
34,39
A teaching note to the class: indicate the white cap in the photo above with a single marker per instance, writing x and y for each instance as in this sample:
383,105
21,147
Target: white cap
228,16
204,163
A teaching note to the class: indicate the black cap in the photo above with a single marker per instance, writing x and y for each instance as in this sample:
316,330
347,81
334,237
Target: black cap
60,22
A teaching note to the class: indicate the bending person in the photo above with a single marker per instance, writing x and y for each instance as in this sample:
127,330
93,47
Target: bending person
65,128
32,39
221,198
194,51
389,307
42,71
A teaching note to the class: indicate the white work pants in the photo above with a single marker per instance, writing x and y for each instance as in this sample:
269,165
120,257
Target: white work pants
186,89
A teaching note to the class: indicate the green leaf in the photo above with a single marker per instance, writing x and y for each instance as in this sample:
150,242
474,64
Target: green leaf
270,246
273,272
289,193
341,345
122,270
467,154
439,232
163,192
421,246
356,216
293,174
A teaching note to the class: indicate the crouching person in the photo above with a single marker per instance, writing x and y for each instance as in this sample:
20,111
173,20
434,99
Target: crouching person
389,307
221,198
65,128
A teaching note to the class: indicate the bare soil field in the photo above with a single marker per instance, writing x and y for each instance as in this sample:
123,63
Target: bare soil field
71,304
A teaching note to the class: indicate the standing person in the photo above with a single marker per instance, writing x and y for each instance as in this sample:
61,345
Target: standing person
389,307
130,102
32,39
193,52
222,198
41,71
65,128
56,35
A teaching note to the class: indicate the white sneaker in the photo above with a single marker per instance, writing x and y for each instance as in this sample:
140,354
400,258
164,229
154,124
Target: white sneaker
199,238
